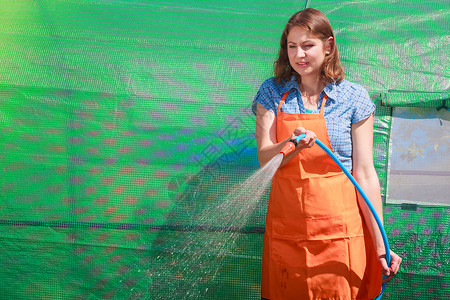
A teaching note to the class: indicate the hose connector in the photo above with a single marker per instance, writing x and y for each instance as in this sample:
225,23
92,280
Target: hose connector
291,145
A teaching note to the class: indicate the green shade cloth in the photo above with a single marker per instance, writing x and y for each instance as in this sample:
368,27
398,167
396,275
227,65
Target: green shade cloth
416,99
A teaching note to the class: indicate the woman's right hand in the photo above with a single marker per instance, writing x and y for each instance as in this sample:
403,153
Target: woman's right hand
266,137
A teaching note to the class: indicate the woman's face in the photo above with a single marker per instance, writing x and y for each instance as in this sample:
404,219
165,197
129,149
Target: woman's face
306,52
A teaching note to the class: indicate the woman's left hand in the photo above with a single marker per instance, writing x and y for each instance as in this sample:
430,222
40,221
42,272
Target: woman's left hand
390,272
306,142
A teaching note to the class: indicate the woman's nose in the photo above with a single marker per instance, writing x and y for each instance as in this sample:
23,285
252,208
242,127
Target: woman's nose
300,52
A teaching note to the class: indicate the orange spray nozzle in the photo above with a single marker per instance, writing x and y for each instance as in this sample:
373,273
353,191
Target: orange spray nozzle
288,148
292,144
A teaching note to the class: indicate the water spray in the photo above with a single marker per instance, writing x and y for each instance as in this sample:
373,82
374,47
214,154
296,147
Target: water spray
292,144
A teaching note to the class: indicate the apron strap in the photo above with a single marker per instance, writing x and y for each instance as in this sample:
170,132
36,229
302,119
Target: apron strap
324,100
282,101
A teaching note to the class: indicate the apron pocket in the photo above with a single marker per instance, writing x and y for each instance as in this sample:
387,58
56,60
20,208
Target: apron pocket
308,242
324,228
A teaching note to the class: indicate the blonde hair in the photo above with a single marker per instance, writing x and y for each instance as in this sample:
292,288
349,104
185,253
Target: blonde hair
317,23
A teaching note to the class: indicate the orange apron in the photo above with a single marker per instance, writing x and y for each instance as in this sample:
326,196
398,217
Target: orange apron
316,244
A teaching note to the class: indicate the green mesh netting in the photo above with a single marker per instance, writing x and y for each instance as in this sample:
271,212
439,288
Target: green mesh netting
416,99
122,122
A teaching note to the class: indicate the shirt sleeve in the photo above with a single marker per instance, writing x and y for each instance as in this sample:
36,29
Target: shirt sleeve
364,106
264,96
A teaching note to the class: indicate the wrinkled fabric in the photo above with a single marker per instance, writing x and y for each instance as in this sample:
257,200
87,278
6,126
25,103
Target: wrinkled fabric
316,244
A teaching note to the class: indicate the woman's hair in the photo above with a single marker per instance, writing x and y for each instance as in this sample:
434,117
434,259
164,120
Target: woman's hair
317,23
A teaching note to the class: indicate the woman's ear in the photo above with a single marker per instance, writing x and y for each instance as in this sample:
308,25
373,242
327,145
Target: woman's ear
328,44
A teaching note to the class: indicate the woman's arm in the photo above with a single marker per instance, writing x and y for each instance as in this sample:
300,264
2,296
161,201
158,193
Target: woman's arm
266,137
365,174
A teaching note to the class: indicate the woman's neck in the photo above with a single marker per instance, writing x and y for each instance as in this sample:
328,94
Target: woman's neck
311,89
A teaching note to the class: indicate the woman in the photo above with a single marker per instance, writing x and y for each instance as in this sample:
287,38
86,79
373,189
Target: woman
316,244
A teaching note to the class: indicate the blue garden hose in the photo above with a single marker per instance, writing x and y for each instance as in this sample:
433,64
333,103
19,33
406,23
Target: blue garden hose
361,192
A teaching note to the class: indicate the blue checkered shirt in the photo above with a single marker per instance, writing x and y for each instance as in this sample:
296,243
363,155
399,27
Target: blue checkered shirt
347,103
